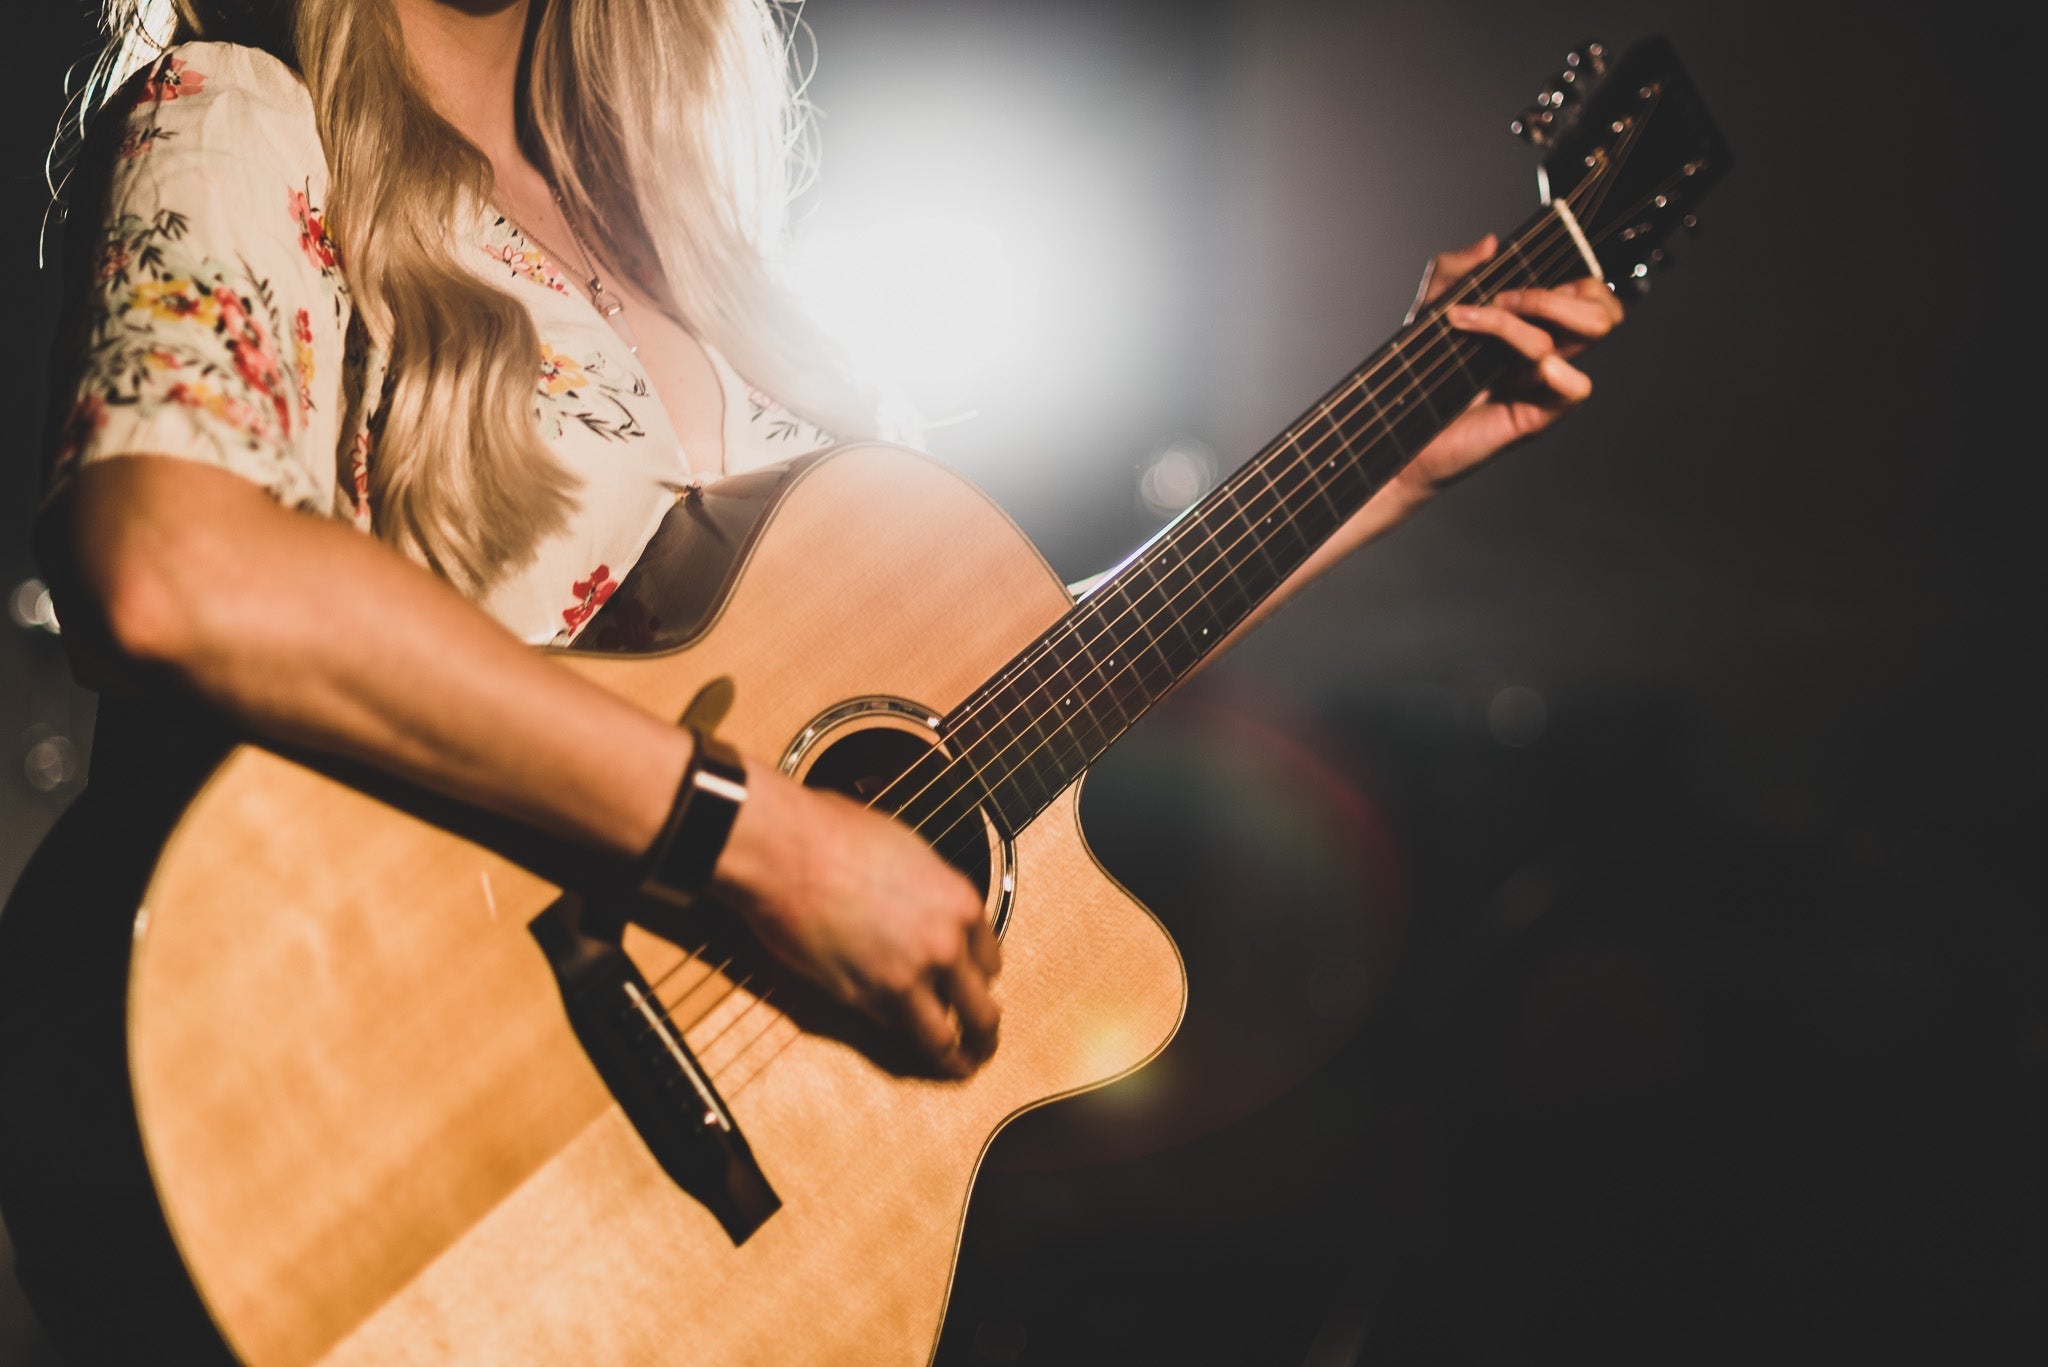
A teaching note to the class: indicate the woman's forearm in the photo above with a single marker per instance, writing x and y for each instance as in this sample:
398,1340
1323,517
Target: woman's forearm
307,632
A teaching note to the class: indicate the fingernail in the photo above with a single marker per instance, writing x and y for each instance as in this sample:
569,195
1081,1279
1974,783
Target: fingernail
1463,313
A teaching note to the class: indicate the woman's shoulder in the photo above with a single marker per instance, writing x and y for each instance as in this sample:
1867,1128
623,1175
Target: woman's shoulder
212,121
225,88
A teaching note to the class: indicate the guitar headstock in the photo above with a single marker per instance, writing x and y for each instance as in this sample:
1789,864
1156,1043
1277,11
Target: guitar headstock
1630,147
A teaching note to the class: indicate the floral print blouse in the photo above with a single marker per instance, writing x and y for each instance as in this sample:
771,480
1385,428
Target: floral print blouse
218,328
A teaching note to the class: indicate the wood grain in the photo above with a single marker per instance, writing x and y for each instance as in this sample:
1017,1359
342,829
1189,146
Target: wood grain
373,1135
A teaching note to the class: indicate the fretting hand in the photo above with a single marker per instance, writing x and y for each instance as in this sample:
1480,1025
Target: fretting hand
1547,327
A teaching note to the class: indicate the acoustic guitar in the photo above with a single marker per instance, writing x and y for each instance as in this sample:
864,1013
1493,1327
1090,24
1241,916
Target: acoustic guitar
329,1073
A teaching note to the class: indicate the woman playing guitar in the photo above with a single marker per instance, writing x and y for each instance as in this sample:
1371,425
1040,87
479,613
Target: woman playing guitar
393,329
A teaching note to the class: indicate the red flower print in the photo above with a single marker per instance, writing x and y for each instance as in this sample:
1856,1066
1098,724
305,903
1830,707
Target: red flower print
591,594
313,239
113,261
255,358
171,79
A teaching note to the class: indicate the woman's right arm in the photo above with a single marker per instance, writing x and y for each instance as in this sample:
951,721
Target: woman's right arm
174,575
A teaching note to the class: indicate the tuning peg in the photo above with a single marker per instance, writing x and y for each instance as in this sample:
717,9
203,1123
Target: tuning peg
1590,58
1691,224
1661,260
1636,283
1534,126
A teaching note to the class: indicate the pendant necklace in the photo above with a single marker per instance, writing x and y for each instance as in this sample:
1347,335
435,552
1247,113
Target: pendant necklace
609,306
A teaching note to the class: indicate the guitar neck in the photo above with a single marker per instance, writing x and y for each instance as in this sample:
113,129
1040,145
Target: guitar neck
1053,710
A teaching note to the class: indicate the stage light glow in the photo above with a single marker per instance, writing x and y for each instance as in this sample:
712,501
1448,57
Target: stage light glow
1177,475
31,607
997,238
937,300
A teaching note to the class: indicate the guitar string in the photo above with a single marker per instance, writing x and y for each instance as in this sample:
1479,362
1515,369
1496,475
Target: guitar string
772,1017
1555,251
762,1067
668,1013
1547,255
690,956
1533,256
723,998
1304,459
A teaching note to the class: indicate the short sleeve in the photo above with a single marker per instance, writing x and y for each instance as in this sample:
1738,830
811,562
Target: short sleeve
212,313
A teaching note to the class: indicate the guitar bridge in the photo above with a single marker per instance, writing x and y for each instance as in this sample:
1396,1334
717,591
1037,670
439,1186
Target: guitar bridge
652,1074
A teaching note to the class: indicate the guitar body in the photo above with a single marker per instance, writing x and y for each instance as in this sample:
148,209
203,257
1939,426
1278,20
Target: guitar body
372,1134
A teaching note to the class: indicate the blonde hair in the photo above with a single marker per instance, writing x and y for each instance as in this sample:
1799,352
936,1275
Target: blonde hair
668,126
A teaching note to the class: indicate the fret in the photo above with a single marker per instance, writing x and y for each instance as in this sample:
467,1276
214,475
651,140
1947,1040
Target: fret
1033,752
1450,342
1364,403
1521,275
1460,366
1253,538
1338,467
1415,390
1302,470
1105,691
1160,614
1269,510
1410,423
1182,605
1150,664
1228,598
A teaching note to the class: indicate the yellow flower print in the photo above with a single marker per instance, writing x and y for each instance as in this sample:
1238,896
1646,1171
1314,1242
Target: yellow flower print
170,301
558,373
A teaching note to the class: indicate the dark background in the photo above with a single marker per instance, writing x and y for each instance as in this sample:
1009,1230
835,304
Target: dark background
1608,902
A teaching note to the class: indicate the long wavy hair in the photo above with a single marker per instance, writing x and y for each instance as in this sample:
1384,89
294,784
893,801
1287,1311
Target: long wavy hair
671,129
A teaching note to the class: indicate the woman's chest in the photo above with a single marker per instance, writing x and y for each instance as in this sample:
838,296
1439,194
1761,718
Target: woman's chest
635,409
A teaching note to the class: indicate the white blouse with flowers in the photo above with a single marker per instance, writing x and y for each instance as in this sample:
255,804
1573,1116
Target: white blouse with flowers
218,330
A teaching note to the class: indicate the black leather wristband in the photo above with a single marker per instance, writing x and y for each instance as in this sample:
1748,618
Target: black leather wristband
678,865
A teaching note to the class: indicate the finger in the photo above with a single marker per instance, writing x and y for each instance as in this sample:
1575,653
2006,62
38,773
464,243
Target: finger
924,1016
985,948
1594,288
1574,314
1445,269
1564,379
1531,341
967,989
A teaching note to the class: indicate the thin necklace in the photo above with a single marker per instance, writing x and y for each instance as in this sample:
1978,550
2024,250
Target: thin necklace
608,305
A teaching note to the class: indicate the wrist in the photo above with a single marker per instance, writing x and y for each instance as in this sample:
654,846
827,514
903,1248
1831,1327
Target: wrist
759,848
678,863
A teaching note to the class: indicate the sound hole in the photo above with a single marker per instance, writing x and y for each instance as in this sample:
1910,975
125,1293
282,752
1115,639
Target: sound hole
864,765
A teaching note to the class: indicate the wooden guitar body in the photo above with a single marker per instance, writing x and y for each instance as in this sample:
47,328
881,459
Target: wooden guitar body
372,1133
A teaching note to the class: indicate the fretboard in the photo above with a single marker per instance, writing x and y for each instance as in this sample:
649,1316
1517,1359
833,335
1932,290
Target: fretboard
1054,709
